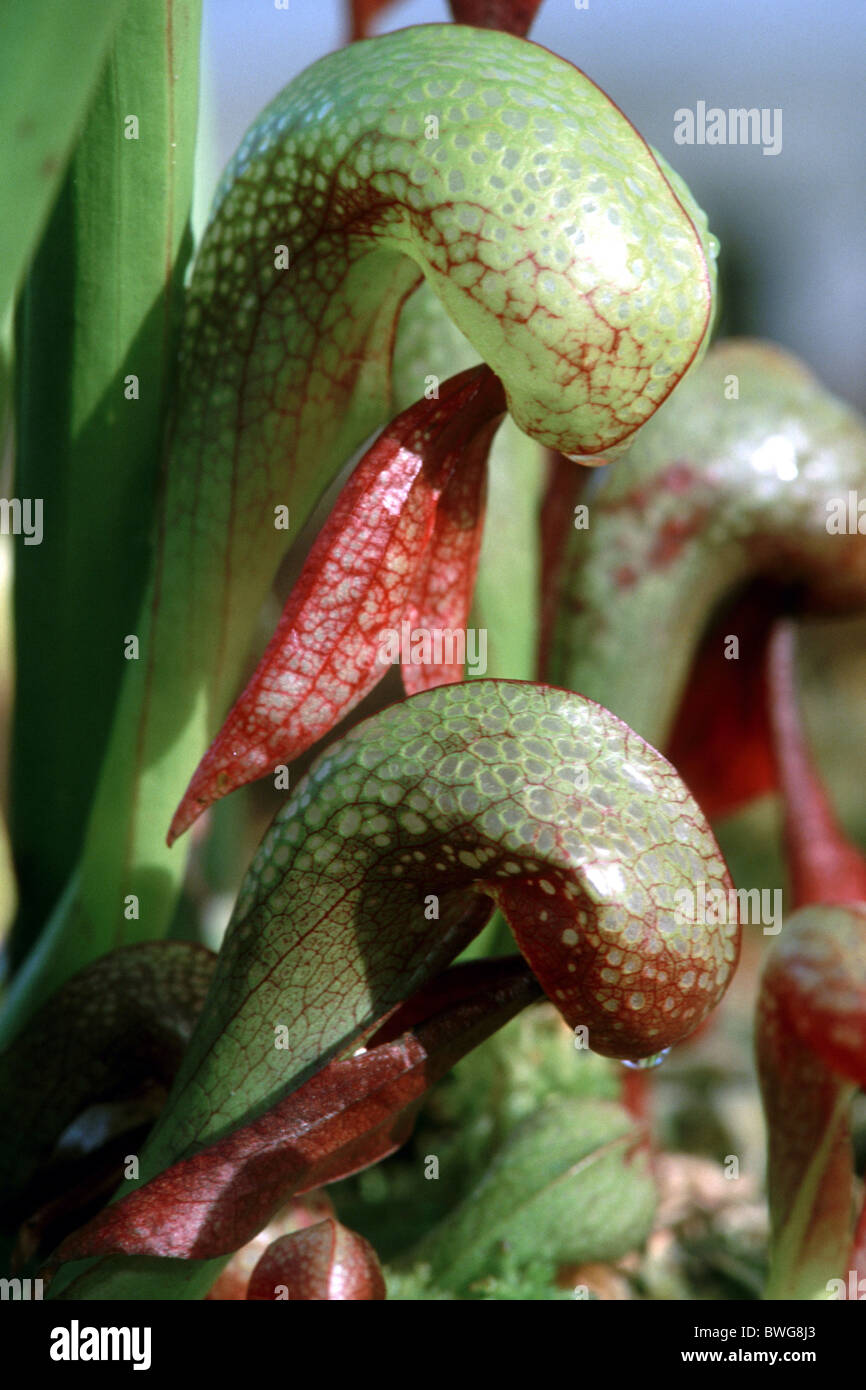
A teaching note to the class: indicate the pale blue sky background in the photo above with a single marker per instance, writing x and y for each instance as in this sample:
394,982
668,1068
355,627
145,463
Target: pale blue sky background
794,225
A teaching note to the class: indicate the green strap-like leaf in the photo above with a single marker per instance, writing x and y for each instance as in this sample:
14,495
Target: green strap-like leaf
50,57
100,308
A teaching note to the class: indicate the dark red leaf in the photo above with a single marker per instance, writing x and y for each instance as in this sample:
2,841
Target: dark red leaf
351,1114
357,583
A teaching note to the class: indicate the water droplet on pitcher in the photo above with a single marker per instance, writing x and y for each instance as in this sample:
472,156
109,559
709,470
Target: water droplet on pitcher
646,1063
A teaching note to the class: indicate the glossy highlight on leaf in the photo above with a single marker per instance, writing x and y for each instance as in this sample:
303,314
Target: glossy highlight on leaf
401,543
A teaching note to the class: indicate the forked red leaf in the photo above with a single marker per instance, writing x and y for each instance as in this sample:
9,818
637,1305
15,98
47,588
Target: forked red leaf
352,1113
327,651
324,1263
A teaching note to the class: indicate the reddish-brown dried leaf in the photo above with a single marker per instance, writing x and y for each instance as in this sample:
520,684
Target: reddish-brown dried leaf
360,576
323,1263
351,1114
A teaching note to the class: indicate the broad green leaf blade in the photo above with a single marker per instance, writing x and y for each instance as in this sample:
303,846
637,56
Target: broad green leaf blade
572,1183
6,354
50,57
100,307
